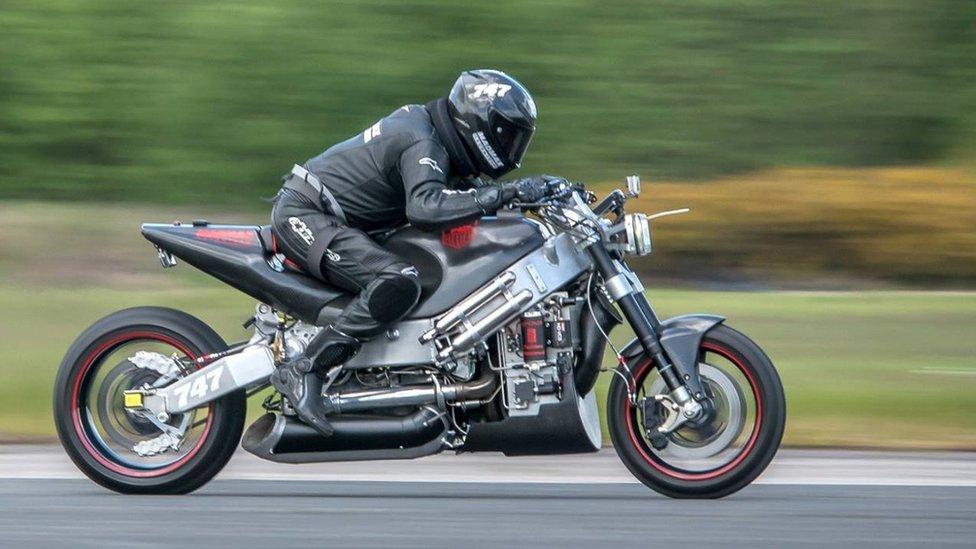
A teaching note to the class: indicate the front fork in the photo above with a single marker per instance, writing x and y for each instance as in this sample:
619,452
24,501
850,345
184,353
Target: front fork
685,389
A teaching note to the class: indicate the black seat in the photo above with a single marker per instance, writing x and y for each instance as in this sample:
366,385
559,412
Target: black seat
242,256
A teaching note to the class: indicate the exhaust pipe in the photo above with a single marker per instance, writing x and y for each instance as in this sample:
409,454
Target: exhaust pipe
468,305
455,332
342,403
490,323
279,438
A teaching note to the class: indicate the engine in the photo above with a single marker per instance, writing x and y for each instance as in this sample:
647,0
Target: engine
513,391
535,350
532,351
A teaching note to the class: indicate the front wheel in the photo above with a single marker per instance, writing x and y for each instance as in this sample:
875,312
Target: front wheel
125,451
718,454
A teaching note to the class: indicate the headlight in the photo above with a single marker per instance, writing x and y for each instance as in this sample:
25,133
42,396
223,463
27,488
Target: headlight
637,233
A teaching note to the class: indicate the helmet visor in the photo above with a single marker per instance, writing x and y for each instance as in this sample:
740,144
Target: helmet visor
512,139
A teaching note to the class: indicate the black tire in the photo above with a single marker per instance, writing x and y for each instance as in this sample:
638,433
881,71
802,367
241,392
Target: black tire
747,465
225,420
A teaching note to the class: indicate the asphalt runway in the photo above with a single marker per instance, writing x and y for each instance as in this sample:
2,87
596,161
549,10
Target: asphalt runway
805,499
255,513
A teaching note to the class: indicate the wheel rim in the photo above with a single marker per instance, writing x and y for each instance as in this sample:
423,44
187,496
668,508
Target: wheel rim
727,440
693,443
121,426
107,430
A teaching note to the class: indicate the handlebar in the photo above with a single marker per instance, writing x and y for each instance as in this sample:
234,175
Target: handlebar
611,201
557,193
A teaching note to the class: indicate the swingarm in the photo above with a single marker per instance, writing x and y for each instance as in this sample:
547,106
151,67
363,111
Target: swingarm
252,365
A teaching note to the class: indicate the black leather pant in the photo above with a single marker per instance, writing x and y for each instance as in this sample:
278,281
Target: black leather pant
386,286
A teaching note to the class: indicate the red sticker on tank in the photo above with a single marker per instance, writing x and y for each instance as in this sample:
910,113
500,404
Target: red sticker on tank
459,237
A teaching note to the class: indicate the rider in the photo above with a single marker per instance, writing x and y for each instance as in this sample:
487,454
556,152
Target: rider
421,164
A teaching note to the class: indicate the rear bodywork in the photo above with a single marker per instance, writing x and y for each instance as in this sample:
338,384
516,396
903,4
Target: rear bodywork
236,255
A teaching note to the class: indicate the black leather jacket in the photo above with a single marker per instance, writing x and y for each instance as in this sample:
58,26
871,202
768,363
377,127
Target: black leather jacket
399,170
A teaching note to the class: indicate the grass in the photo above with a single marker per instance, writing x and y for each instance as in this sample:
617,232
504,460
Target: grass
39,325
861,370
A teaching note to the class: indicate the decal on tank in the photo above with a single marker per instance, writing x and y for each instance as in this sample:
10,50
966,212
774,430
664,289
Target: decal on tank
459,237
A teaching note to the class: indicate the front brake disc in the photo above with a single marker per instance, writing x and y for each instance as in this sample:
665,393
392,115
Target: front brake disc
697,442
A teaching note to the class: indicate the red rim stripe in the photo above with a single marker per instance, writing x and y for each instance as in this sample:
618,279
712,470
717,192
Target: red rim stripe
653,462
76,407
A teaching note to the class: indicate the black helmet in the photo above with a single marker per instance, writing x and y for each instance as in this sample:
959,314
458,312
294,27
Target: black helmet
495,117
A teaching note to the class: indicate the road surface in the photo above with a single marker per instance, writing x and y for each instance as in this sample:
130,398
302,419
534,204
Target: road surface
806,499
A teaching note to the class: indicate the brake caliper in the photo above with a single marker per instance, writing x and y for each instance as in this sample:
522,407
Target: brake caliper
663,414
654,413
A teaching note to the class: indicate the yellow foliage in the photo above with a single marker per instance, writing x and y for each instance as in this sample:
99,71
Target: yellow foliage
912,224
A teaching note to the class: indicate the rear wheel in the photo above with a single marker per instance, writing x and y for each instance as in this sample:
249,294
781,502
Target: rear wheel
125,451
720,453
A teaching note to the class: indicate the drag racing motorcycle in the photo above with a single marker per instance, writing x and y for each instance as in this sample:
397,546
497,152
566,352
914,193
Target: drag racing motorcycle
501,354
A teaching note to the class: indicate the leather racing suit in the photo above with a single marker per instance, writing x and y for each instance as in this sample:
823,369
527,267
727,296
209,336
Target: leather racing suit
408,167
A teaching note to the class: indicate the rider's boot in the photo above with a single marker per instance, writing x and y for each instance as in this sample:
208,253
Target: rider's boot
331,347
301,385
299,379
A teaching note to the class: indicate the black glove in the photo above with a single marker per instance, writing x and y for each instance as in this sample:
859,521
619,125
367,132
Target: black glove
533,189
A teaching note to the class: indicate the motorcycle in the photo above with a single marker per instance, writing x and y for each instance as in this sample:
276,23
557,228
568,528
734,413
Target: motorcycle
501,354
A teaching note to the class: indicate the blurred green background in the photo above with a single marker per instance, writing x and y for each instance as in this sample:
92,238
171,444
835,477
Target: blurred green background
826,145
190,100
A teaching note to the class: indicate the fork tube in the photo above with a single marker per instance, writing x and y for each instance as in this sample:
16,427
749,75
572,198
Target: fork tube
645,306
640,315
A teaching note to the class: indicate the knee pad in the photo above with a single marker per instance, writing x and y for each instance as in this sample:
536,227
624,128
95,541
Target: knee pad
393,294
